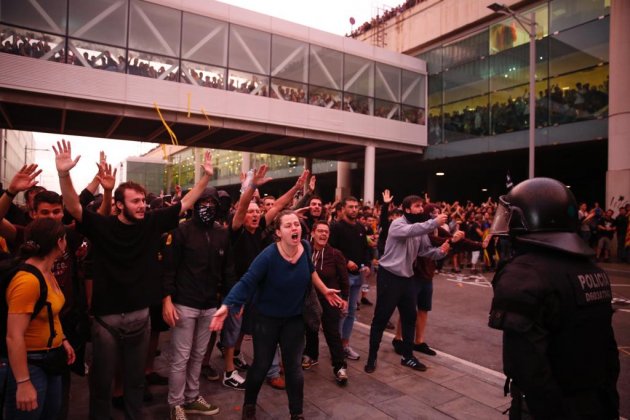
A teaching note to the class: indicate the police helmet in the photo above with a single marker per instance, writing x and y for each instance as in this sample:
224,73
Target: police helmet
541,212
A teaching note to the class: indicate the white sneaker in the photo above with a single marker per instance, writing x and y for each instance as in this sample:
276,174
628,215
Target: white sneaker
351,354
341,376
234,381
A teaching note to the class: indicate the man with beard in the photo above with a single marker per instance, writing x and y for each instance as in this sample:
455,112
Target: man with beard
395,285
314,213
198,268
126,269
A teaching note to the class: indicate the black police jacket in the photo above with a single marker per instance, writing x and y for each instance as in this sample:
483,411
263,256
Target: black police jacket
558,342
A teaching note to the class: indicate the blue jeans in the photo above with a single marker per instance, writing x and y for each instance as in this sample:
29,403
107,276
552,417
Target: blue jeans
189,341
123,337
347,322
48,389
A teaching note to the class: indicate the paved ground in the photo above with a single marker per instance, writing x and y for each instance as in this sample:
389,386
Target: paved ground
462,382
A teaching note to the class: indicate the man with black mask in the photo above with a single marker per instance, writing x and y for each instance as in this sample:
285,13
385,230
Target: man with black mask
198,266
395,285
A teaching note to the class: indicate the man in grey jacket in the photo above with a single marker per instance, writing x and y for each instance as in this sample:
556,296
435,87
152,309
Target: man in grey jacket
395,286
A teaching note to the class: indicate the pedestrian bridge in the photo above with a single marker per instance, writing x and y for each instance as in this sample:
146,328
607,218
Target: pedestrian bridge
203,73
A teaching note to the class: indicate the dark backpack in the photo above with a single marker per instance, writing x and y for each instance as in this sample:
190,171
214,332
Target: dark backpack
8,270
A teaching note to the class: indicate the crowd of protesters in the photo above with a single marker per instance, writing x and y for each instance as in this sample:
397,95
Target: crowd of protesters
387,15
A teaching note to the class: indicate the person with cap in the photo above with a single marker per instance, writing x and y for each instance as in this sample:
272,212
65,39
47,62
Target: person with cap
553,305
198,268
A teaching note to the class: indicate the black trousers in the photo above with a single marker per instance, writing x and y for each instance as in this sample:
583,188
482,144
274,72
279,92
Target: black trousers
330,324
393,292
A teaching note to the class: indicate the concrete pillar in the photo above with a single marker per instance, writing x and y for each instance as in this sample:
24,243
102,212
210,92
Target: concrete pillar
246,163
197,159
368,175
308,166
618,174
343,180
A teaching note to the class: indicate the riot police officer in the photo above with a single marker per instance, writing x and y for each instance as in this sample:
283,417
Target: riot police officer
554,308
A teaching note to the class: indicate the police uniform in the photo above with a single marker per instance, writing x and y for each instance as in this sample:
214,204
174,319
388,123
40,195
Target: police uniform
554,308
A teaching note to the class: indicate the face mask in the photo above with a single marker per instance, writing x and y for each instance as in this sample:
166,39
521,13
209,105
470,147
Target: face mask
416,218
206,214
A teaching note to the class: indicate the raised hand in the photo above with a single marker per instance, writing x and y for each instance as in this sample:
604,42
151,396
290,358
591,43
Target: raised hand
24,179
260,177
311,183
299,184
63,157
387,197
207,163
105,176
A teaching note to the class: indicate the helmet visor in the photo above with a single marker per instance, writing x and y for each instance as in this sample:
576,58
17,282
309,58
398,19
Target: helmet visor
501,221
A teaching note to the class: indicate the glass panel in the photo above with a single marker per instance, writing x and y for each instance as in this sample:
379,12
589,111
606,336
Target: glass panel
412,114
509,33
325,67
569,13
99,20
323,97
579,48
385,109
154,28
204,40
469,49
154,66
253,84
466,81
289,59
413,88
435,90
44,15
435,126
358,104
88,54
288,90
466,119
358,75
387,82
203,75
579,96
510,108
433,59
29,44
250,49
511,67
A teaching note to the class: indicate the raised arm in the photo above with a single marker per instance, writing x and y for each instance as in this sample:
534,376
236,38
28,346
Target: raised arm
65,163
259,178
286,198
107,179
189,199
22,181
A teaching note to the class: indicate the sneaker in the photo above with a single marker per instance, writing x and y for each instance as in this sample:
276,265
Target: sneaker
370,366
366,301
239,362
200,406
277,382
397,346
234,380
351,354
249,412
413,363
221,348
308,363
424,348
341,377
178,413
210,373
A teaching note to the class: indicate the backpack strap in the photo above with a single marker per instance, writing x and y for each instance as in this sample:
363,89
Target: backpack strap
42,300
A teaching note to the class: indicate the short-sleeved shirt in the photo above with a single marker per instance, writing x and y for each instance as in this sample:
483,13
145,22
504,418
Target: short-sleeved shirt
22,294
126,267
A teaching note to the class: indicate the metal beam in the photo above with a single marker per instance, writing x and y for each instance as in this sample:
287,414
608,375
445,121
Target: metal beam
62,126
199,136
6,116
155,134
112,128
307,145
238,140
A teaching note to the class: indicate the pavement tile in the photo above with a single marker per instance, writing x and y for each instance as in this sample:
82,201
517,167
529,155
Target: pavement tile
348,406
465,408
424,390
406,407
478,390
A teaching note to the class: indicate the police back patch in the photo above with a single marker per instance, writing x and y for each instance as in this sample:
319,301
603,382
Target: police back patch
591,288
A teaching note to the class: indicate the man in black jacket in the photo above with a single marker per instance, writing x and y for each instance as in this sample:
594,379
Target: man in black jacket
198,267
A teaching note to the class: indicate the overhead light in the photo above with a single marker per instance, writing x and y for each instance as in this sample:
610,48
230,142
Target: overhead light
568,186
484,189
439,174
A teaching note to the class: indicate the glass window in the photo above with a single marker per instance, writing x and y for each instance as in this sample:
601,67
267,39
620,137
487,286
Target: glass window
358,75
250,49
252,84
327,98
412,114
509,33
154,66
289,59
204,40
99,20
469,49
435,90
387,82
466,119
30,44
103,57
579,96
435,126
569,13
579,48
358,104
433,59
325,67
385,109
154,28
203,75
287,90
511,67
413,89
466,81
44,15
